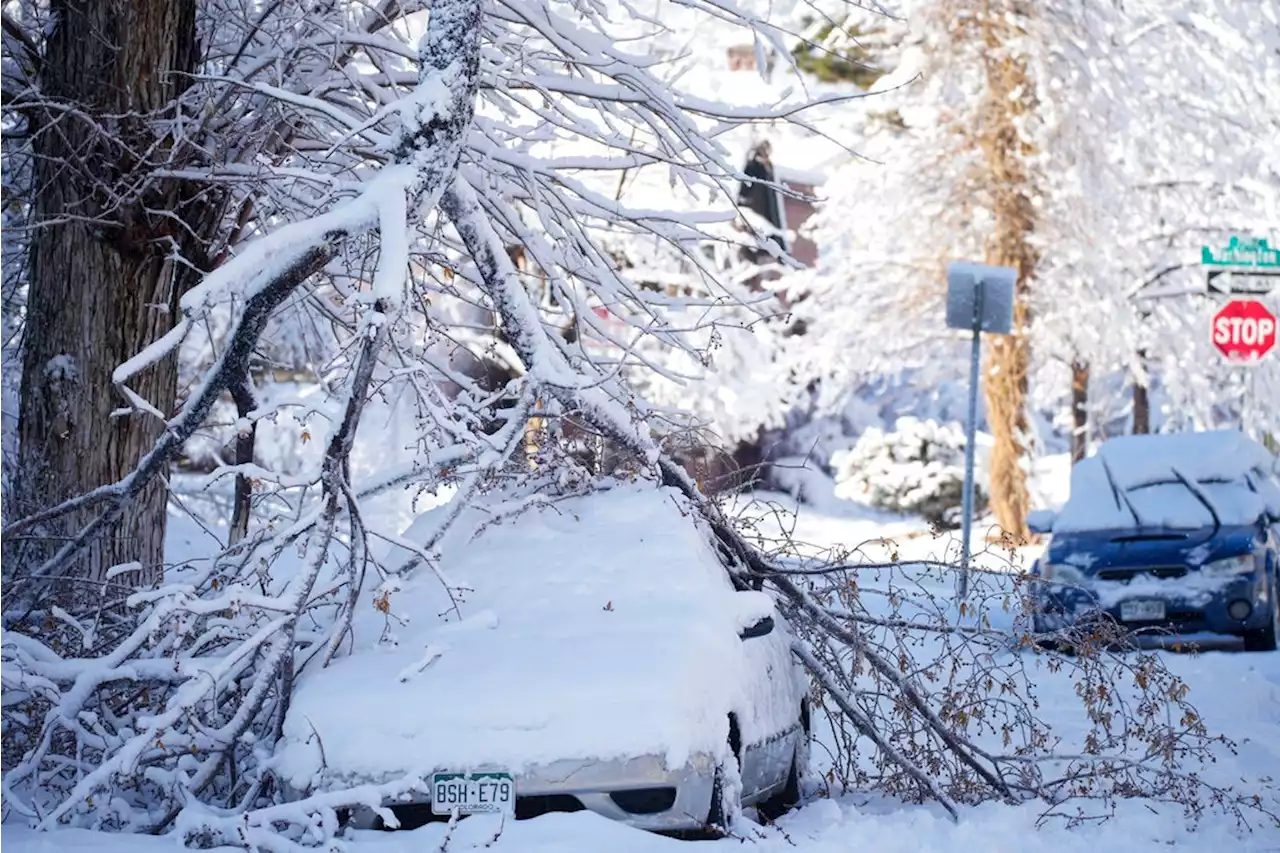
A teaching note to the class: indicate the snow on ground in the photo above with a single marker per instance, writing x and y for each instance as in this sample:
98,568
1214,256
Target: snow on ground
1238,695
824,826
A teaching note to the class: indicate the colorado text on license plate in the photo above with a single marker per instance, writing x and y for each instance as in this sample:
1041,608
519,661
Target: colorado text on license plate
1142,610
472,793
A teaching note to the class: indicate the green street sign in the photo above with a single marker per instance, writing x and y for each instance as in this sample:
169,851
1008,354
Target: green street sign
1247,252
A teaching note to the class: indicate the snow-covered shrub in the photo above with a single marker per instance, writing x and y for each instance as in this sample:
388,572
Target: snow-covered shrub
804,480
918,468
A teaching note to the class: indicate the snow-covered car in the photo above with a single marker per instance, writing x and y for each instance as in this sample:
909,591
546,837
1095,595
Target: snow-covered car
596,654
1167,534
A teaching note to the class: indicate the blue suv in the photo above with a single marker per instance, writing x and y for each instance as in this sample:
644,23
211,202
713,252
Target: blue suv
1167,534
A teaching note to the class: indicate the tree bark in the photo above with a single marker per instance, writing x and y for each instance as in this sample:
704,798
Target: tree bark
1009,102
1079,410
245,441
103,282
1141,402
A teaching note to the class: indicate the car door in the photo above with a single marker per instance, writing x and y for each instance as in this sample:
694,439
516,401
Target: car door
771,727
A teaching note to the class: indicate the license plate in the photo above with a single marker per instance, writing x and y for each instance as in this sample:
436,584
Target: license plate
473,793
1142,610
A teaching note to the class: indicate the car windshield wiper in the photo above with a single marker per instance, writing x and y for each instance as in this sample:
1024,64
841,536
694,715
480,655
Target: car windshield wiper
1169,481
1122,500
1200,496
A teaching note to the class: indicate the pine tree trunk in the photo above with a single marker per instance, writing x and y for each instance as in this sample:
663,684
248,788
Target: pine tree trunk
102,285
1079,410
1009,101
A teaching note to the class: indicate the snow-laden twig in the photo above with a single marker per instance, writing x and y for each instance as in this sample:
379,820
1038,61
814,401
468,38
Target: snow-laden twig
869,730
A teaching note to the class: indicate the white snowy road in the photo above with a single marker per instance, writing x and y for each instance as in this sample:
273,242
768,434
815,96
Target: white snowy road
823,826
1237,694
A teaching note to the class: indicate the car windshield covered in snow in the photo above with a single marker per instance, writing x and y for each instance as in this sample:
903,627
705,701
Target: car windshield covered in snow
1181,482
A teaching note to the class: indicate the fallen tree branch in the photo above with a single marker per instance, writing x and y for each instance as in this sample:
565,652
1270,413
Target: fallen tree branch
868,730
544,362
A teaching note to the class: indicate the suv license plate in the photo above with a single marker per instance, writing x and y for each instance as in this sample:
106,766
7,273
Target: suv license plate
1142,610
473,793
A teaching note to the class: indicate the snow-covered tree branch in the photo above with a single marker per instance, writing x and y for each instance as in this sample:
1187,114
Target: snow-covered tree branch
336,227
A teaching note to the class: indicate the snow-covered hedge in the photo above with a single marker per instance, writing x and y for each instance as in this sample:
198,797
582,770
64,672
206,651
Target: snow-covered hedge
918,468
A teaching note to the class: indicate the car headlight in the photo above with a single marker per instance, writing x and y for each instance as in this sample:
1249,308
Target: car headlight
1061,573
1240,565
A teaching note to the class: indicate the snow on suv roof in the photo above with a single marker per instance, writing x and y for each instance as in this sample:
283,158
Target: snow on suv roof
1146,473
595,627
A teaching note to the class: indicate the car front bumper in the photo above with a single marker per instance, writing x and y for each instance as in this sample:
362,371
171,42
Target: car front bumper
1184,614
572,784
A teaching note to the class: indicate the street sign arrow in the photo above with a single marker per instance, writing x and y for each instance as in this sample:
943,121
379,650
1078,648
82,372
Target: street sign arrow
1239,281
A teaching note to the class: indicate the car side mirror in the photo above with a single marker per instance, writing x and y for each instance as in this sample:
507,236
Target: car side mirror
762,628
1041,521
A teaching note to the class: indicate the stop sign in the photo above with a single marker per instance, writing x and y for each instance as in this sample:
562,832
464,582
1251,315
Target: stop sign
1244,330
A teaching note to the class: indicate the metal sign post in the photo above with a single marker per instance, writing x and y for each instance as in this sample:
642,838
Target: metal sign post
979,299
970,440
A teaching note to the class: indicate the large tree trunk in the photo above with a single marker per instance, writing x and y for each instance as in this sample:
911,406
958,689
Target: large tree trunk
1079,410
102,284
1009,101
